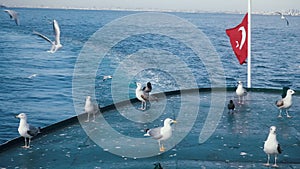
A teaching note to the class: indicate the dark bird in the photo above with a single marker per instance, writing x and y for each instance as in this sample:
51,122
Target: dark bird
13,15
26,130
283,18
143,94
157,166
231,107
271,146
285,103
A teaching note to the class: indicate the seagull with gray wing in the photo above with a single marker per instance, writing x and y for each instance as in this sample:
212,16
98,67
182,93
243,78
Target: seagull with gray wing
283,18
56,43
271,146
26,130
13,15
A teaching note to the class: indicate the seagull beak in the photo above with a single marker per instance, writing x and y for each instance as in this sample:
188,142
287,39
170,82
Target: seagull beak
17,116
174,121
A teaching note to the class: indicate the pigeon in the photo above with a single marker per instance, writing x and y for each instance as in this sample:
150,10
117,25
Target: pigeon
271,146
13,15
241,92
143,94
55,44
157,166
107,77
161,133
285,103
231,107
283,18
90,108
26,130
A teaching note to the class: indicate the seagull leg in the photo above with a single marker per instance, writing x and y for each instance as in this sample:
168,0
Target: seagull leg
275,165
280,113
287,114
94,117
28,146
25,143
88,118
162,148
268,162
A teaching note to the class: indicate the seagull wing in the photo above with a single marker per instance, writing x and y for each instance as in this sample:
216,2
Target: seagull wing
278,13
33,131
13,15
155,133
56,32
279,149
287,22
42,36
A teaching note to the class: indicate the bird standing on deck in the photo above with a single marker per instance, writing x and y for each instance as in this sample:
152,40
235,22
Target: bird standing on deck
241,92
231,107
26,130
143,94
271,146
90,108
56,43
285,103
161,133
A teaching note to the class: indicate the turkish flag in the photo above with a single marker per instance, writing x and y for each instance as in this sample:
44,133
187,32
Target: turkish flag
239,39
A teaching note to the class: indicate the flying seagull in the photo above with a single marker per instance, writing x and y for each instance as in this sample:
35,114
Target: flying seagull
271,146
13,15
143,94
161,133
55,44
283,18
285,103
107,77
26,130
241,92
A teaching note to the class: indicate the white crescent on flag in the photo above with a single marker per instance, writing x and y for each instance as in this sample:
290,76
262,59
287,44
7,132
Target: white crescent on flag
243,40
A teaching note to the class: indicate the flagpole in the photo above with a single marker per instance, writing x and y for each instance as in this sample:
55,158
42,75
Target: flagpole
249,46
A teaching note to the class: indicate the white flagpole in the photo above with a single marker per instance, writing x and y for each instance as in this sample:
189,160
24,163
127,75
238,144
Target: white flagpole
249,46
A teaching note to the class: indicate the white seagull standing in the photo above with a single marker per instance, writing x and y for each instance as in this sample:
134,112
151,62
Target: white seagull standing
285,103
283,18
143,94
241,92
55,44
90,108
271,146
26,130
13,15
161,133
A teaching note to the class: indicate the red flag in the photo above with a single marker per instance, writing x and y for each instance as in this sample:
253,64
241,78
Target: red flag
239,39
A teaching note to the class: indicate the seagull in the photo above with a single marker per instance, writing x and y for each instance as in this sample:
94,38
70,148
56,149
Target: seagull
90,108
26,130
283,18
241,92
107,77
142,94
55,44
271,146
231,107
285,103
13,15
161,133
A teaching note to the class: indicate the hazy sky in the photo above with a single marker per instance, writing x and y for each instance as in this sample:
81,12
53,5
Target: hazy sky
203,5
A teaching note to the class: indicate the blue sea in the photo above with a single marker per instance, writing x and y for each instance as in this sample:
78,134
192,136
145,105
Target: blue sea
39,83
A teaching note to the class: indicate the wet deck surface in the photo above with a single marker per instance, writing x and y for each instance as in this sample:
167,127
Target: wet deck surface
237,141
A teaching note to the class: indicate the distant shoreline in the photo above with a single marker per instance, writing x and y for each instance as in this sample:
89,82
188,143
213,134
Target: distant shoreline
291,12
